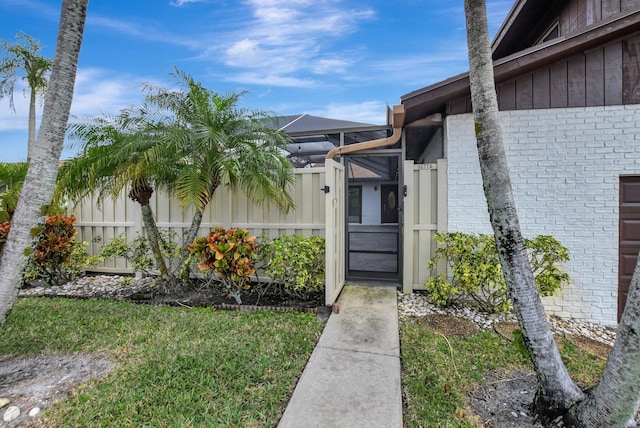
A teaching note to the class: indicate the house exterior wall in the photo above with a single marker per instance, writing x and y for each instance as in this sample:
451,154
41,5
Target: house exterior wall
370,203
565,166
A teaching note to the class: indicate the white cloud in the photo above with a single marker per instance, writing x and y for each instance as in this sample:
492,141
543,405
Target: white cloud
244,53
266,79
374,112
179,3
330,66
289,39
142,31
96,92
18,120
276,15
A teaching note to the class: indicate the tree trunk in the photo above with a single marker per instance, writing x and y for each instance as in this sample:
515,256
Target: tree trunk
154,238
189,237
40,181
614,401
32,123
141,193
556,390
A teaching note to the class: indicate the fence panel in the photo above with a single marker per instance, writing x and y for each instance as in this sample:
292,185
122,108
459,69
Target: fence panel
229,208
425,213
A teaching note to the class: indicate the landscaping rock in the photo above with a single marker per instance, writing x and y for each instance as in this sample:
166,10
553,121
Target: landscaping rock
4,402
11,413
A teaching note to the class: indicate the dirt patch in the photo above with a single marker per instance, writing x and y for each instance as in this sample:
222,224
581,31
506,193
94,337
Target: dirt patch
506,329
599,349
40,381
594,347
449,325
218,297
504,400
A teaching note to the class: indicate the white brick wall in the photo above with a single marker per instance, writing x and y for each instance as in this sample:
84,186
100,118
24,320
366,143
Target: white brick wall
565,166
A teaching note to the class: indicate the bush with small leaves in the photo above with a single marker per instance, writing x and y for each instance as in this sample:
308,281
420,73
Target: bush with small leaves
295,264
138,252
230,255
476,274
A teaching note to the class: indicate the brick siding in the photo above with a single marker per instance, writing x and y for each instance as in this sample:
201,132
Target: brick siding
565,166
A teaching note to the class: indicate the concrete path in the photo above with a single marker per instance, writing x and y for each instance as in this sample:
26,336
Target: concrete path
353,376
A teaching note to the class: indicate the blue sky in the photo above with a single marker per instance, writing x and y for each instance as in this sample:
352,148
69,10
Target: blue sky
343,59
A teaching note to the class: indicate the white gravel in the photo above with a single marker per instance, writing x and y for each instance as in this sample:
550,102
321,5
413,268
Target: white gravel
417,305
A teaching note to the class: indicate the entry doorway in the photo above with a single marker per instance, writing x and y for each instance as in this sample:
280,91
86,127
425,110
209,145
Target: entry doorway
373,226
629,236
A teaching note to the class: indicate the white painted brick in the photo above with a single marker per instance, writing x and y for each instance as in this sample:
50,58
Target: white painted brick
565,181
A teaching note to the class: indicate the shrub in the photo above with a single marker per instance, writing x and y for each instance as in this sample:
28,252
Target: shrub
476,274
4,232
58,257
138,253
230,254
295,263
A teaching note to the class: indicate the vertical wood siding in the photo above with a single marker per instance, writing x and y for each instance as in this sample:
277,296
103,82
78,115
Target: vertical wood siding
604,76
578,14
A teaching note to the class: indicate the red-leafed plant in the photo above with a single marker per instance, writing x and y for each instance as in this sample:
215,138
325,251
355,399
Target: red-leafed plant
4,231
57,257
229,253
52,254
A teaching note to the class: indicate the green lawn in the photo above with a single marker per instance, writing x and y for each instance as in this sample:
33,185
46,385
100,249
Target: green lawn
175,366
437,372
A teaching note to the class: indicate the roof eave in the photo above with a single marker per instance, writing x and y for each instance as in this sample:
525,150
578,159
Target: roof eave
422,102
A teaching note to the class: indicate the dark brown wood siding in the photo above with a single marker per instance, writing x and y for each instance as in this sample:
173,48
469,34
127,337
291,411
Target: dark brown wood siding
607,75
577,14
629,236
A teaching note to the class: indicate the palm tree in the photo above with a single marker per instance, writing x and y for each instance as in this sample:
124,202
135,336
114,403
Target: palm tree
23,57
556,390
615,400
43,166
213,141
12,176
187,143
114,156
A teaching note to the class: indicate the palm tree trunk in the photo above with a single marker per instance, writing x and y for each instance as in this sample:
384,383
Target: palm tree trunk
615,400
40,181
154,238
141,193
556,391
32,123
189,237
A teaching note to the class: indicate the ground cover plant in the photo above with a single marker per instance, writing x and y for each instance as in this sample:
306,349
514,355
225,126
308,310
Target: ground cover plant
440,373
174,366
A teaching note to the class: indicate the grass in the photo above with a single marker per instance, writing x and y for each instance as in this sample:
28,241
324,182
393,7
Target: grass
175,366
437,372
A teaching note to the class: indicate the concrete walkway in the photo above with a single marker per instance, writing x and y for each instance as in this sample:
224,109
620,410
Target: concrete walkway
353,376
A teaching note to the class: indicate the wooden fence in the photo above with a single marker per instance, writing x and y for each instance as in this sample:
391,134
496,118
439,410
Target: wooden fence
424,213
229,208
